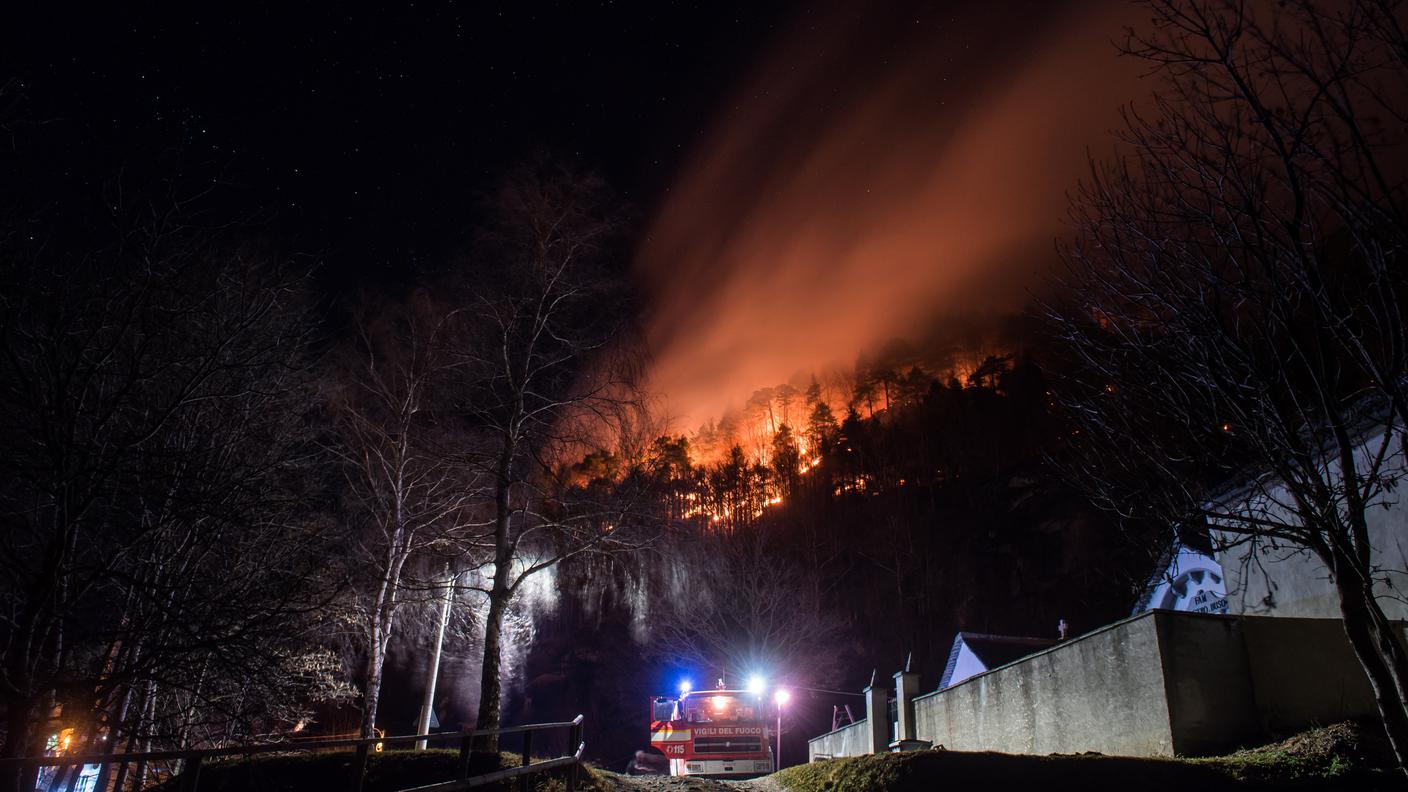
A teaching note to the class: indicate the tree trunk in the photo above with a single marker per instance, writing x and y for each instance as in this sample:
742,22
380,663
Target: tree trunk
145,727
371,681
490,683
1378,650
383,615
117,716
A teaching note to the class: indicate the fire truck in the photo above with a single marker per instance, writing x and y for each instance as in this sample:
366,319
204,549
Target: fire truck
712,733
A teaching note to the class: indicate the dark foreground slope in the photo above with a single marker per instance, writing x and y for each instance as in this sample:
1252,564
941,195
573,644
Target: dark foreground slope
1340,757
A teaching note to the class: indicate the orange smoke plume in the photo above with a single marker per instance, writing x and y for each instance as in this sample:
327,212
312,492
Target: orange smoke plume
883,169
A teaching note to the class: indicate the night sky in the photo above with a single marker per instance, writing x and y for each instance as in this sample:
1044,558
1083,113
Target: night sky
365,138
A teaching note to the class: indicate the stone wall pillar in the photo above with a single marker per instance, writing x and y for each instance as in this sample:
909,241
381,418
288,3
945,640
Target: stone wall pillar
877,719
906,688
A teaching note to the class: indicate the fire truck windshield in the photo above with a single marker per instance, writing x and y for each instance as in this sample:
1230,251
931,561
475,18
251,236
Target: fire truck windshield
705,707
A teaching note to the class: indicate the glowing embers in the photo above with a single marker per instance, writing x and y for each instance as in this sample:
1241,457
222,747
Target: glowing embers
856,485
697,507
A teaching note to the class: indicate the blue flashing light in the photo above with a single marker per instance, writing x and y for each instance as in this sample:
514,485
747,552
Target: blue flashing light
685,686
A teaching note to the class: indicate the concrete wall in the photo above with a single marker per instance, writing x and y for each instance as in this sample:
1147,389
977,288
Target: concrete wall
852,740
1101,692
1206,680
1157,684
1304,671
1235,681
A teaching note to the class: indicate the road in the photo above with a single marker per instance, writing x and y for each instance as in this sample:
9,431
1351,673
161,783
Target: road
623,783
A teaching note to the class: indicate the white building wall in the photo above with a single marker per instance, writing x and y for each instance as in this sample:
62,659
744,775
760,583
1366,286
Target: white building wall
1270,578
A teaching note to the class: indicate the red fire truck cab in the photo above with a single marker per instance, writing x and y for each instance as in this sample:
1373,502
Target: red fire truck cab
712,733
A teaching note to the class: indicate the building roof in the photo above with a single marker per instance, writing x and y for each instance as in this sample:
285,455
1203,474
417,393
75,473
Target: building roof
992,650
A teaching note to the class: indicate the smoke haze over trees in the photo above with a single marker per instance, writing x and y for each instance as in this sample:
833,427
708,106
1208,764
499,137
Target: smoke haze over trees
884,169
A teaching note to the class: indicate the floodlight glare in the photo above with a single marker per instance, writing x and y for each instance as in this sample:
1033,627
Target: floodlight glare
756,685
781,696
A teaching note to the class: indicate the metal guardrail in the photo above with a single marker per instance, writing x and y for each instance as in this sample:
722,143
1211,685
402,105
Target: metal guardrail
192,760
512,772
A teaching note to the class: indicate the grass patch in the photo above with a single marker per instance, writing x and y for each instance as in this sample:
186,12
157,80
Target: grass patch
1340,757
1340,751
388,771
921,771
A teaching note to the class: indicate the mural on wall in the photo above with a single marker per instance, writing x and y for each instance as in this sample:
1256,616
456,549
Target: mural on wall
1192,581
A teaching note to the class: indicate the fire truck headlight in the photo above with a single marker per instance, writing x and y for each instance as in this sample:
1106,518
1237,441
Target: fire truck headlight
756,685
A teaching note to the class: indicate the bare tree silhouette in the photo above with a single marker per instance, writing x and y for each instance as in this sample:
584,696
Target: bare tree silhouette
1232,296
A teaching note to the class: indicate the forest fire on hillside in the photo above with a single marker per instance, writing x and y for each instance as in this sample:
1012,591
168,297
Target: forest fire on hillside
764,457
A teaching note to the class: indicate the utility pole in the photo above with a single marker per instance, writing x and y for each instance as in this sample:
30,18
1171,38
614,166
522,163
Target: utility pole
428,703
780,698
777,765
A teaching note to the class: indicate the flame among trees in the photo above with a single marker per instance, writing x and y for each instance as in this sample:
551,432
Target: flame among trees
729,471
